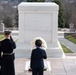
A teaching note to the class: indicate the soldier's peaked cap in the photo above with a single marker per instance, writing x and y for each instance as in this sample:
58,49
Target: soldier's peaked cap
7,32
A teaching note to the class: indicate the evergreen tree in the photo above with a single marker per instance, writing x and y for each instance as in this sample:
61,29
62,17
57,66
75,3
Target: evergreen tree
61,18
7,21
29,0
20,1
16,18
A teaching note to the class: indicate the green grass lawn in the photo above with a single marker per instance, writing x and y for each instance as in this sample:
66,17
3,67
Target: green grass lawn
1,37
65,49
72,39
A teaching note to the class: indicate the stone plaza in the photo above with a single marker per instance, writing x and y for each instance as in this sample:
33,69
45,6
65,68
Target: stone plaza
59,66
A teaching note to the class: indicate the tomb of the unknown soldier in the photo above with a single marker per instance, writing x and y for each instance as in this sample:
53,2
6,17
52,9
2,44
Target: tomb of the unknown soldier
38,20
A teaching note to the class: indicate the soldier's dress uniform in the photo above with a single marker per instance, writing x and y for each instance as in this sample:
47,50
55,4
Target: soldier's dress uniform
7,59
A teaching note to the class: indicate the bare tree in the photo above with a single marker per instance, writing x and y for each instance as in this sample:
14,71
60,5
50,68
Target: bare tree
70,12
7,10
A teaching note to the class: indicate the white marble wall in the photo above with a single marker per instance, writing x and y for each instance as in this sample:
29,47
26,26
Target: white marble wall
38,20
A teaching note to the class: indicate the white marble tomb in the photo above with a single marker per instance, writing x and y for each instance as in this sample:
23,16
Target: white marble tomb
39,20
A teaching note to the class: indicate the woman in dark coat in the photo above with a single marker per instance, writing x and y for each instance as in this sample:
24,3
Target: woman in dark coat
7,60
